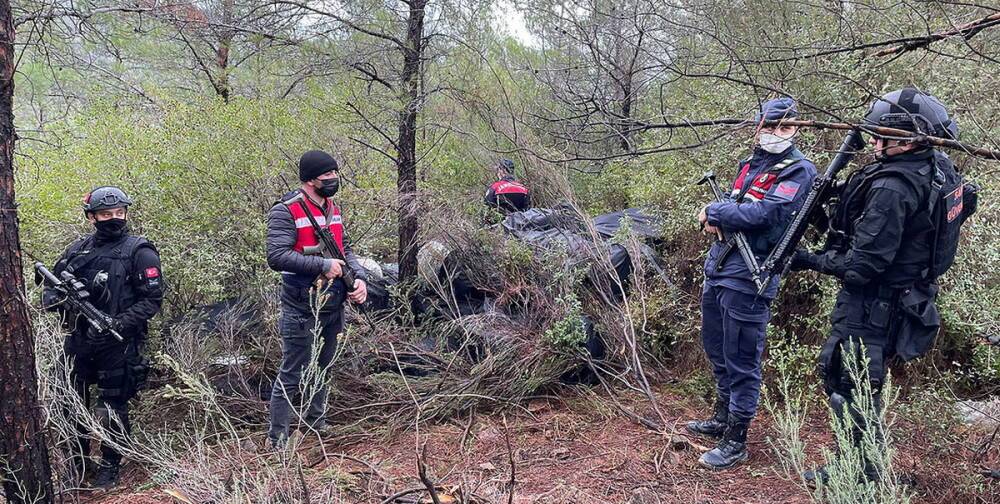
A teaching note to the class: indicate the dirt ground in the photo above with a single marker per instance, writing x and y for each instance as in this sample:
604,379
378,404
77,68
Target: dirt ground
579,449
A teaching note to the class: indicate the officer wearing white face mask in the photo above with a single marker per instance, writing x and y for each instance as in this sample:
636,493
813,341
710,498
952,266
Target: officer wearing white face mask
773,141
771,184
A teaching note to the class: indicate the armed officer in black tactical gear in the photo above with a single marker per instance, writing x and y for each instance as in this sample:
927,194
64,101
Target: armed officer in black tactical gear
122,275
894,231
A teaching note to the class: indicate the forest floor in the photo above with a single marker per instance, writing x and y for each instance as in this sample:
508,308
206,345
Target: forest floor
581,449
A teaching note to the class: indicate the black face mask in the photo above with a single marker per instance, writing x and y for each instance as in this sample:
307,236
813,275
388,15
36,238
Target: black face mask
110,229
329,187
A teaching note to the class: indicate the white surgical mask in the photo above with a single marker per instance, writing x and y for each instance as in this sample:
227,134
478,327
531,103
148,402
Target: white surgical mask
774,143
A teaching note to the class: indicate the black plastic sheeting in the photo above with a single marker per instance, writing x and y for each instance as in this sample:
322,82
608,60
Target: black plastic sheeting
640,224
561,227
544,229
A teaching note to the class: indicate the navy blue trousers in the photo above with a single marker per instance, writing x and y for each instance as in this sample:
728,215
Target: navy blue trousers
733,326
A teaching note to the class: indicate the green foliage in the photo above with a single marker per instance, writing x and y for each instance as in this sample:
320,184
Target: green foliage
864,438
517,256
203,176
204,173
864,469
666,320
697,384
932,412
567,334
787,401
792,366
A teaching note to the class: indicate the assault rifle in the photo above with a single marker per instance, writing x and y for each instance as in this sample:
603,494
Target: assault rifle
328,245
737,239
778,260
76,297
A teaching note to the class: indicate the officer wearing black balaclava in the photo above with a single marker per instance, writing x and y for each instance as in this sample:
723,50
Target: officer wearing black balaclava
123,278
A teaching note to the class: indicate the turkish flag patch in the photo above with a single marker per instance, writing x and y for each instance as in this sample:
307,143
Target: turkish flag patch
787,190
152,272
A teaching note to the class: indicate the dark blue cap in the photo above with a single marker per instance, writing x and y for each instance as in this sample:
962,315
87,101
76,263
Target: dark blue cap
777,109
506,165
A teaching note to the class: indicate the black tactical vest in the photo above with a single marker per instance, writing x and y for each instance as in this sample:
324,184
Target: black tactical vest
107,271
913,257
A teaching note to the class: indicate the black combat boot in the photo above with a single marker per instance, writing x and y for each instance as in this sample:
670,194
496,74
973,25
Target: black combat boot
839,407
107,475
844,410
715,426
732,448
816,476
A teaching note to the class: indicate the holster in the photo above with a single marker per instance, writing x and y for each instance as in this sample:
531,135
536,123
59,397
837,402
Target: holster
920,321
863,315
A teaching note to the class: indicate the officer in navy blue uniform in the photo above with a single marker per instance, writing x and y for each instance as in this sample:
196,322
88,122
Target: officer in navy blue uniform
770,187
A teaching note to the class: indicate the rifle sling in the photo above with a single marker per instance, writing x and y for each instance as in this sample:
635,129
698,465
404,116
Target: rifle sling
317,229
331,248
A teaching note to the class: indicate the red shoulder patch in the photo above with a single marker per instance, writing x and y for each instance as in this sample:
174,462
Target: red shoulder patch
787,190
152,272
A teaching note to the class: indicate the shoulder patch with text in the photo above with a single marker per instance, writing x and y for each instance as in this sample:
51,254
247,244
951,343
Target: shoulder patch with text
152,275
787,190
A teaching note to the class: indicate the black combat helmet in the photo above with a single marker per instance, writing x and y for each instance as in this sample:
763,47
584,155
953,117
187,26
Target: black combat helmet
912,110
104,198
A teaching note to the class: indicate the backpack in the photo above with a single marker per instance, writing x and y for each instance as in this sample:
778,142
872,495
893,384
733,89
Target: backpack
952,201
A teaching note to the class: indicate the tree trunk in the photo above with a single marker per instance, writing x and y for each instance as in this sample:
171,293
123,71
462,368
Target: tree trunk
222,52
625,131
406,161
24,467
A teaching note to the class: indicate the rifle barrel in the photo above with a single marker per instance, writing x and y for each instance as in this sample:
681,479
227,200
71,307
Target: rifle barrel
778,258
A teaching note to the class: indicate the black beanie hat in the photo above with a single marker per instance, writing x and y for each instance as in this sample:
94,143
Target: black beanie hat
314,163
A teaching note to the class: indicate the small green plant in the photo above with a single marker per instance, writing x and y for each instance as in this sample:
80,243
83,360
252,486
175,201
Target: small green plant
791,365
518,255
794,366
568,333
788,405
861,469
624,233
932,412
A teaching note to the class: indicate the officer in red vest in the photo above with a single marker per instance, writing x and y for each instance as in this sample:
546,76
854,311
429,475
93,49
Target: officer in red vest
306,273
507,194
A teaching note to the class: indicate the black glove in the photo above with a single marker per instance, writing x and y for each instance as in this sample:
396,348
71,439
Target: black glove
804,260
52,299
102,338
